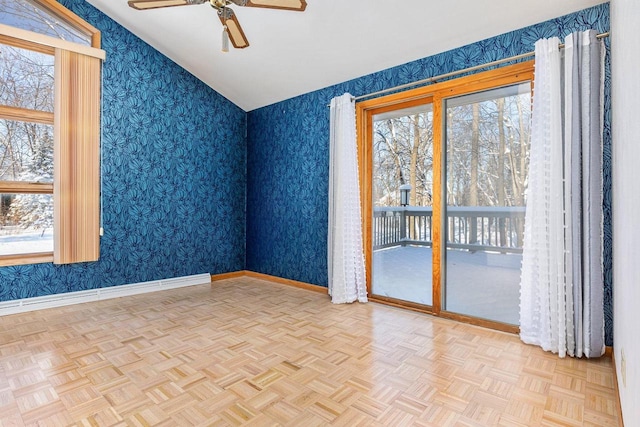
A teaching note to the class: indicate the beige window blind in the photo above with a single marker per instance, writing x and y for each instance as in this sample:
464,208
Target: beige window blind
76,158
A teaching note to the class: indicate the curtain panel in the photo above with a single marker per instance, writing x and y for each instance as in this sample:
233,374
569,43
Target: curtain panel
346,270
562,283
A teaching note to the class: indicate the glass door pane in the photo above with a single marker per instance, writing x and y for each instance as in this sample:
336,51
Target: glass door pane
486,168
403,162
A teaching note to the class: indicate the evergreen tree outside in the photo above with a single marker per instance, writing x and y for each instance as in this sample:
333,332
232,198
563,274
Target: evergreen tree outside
35,211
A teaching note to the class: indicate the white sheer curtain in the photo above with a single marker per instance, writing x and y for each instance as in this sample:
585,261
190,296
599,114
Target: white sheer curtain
345,249
562,284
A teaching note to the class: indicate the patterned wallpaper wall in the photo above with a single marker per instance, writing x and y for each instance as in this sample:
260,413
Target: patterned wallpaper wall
174,175
287,155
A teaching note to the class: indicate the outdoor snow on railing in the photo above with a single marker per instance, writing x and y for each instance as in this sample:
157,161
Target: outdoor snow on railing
474,228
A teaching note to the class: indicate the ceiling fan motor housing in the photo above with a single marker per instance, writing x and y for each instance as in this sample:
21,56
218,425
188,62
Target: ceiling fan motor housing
221,4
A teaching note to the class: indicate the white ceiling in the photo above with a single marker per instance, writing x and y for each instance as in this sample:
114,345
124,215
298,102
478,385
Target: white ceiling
292,53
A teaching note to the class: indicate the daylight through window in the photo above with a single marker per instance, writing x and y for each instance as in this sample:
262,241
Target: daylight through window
26,151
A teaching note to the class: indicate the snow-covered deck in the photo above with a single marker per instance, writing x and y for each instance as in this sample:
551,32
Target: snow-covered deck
481,284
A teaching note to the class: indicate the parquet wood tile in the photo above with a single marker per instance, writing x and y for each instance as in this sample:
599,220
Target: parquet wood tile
248,352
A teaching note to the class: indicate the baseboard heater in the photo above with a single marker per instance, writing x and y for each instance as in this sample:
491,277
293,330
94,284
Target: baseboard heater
60,300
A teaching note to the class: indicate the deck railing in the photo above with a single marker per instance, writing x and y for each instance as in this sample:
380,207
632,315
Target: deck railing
475,228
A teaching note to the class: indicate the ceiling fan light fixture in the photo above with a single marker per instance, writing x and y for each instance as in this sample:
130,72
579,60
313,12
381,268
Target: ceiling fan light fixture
232,31
225,39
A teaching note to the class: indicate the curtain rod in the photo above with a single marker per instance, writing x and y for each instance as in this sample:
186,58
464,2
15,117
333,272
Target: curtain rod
458,72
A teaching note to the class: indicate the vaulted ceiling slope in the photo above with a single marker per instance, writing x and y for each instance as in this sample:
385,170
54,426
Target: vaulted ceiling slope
292,53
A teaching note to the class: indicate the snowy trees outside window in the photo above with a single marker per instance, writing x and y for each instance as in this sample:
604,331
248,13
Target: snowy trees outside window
403,154
26,150
35,211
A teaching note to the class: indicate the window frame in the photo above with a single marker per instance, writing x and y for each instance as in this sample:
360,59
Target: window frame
45,44
71,19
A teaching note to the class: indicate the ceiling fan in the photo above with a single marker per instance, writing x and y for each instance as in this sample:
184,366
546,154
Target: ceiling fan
232,29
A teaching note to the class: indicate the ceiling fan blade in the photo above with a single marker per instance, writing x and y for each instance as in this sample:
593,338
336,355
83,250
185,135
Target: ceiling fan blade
236,35
298,5
154,4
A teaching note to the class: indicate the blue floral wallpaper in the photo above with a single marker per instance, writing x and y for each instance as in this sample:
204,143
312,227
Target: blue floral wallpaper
288,153
174,175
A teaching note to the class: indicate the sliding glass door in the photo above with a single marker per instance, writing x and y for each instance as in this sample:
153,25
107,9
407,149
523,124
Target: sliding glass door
486,168
402,203
444,173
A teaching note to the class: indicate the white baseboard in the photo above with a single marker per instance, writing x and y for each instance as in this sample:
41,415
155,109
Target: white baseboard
60,300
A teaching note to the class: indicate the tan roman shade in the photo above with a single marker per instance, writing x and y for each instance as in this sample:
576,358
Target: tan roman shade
76,158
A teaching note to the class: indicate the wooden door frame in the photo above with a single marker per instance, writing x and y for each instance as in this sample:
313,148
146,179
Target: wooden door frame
435,94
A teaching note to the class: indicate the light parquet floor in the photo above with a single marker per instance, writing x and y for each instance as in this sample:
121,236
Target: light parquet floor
250,352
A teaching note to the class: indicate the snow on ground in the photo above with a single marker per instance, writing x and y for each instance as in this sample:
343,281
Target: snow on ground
26,241
481,284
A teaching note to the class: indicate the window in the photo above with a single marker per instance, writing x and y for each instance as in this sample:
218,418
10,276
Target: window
49,134
49,18
26,151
